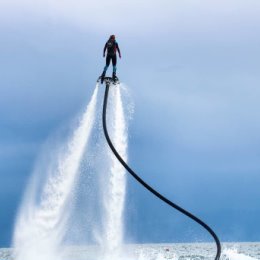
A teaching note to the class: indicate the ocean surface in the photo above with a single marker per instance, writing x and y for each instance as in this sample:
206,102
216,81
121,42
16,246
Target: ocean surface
178,251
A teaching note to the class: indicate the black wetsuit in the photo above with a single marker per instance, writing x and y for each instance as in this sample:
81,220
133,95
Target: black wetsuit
111,46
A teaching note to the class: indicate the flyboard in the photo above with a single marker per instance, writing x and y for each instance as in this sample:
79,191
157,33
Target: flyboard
108,80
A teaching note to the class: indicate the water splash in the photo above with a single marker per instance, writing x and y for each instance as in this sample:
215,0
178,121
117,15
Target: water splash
41,224
44,223
114,197
232,254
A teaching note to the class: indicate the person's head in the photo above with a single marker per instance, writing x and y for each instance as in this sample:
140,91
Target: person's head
112,37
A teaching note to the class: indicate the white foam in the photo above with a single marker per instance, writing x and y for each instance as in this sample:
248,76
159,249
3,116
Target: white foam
232,254
41,224
114,199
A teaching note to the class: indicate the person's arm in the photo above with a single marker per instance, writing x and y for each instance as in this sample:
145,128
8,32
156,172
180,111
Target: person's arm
104,51
117,47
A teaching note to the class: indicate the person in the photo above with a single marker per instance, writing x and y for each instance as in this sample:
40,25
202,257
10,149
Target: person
111,47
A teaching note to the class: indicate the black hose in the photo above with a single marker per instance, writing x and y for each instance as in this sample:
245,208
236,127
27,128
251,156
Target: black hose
157,194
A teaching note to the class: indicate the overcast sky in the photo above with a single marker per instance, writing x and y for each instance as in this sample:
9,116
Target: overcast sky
193,70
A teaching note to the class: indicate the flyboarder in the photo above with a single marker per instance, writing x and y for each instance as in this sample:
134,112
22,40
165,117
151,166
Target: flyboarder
111,47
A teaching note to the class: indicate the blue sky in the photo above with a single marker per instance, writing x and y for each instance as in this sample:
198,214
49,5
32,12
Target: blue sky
193,70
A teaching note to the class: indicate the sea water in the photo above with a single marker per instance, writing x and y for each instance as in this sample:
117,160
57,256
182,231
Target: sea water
178,251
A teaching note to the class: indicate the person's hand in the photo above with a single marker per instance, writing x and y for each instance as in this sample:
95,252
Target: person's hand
104,55
120,56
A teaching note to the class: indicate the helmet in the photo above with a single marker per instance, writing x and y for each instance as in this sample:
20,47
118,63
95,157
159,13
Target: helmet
112,37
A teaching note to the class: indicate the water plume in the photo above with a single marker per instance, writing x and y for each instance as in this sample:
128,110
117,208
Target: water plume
41,222
114,196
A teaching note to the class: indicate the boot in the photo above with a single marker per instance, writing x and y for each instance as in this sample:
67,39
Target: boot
114,76
103,76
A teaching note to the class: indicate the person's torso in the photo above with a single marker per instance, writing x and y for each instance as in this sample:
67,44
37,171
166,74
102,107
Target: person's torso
111,47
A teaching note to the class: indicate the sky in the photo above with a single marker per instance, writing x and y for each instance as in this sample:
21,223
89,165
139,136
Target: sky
192,67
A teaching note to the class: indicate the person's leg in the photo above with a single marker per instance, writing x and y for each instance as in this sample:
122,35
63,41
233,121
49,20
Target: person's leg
108,59
114,65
